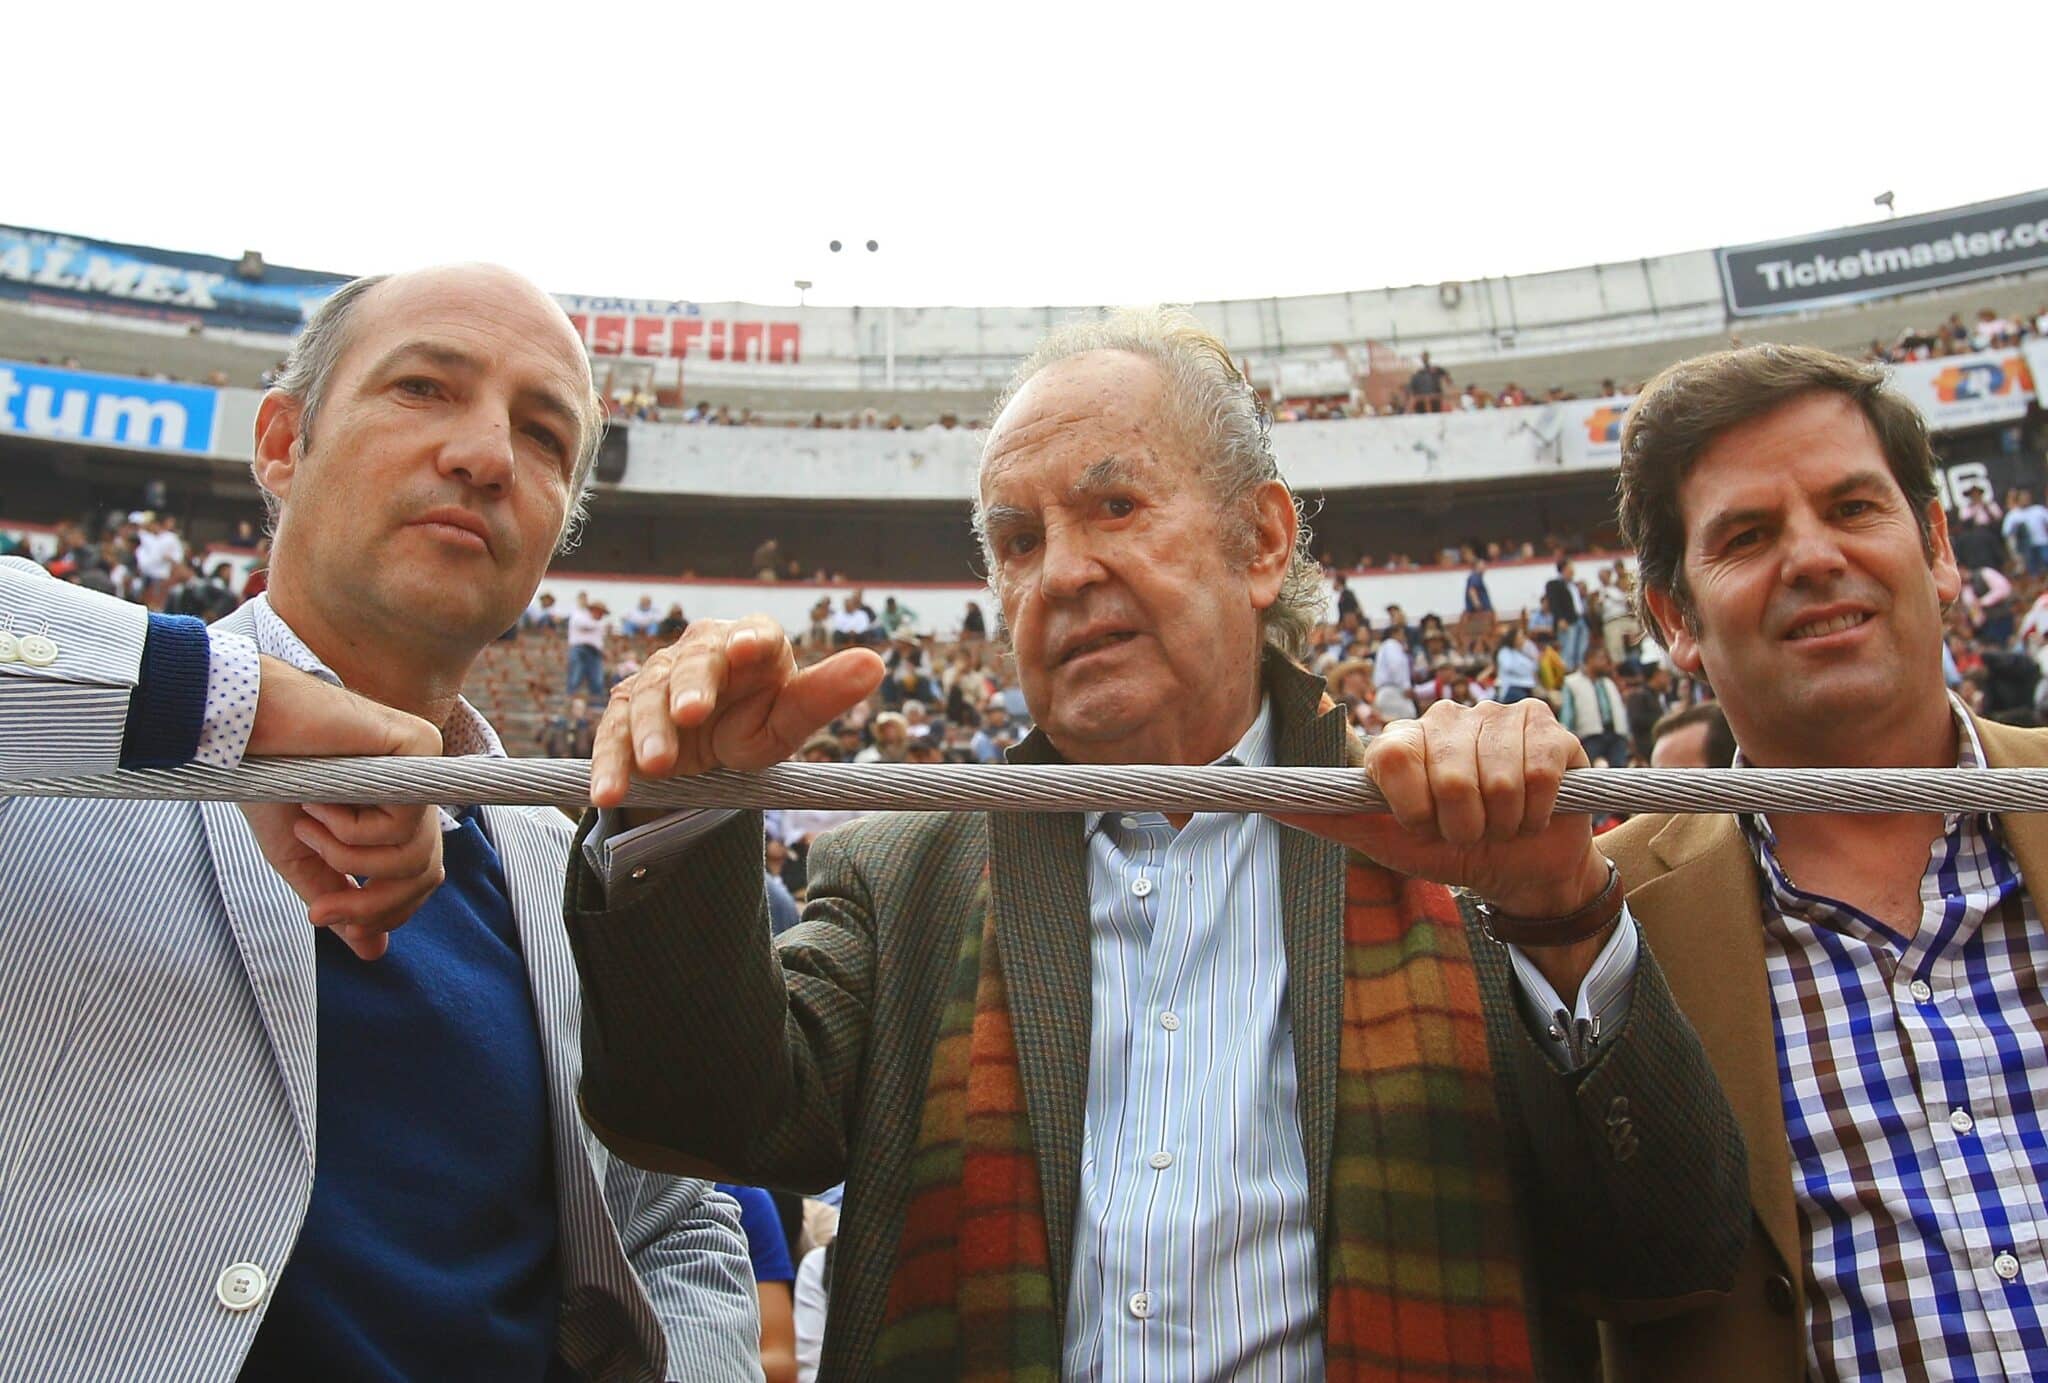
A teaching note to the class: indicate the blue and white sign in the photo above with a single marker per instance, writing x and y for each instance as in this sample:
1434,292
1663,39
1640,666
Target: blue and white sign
106,410
40,266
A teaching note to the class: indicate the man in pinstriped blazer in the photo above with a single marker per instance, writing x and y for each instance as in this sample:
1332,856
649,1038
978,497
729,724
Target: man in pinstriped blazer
236,1145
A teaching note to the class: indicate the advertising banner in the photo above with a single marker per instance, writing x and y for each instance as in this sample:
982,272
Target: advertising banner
2035,352
107,410
1886,257
1592,431
61,270
676,331
1960,391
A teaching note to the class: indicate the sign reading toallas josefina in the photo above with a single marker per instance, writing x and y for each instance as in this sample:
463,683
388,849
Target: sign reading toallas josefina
1887,257
643,327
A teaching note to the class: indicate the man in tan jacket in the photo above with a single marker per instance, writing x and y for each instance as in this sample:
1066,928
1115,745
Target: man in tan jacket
1867,987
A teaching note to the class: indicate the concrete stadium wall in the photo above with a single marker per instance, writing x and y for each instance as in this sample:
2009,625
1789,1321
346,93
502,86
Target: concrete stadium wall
936,464
970,348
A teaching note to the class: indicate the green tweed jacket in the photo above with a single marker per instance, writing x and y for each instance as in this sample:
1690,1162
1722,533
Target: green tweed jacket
710,1050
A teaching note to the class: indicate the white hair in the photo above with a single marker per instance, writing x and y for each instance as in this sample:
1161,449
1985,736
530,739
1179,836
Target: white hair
1219,412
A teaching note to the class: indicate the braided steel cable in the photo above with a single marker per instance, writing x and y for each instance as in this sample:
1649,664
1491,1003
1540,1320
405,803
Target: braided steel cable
1040,787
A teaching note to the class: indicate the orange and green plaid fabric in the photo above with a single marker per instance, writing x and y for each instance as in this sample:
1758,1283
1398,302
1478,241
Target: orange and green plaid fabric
1422,1272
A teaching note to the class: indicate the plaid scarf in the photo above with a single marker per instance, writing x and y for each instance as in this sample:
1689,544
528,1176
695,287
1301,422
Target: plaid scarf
1422,1275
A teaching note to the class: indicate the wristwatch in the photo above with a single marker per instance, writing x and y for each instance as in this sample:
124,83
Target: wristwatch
1579,925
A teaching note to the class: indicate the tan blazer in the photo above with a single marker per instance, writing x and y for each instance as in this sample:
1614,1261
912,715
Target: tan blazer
1692,884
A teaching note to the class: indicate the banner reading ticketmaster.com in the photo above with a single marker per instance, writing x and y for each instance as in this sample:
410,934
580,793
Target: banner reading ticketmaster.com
1887,257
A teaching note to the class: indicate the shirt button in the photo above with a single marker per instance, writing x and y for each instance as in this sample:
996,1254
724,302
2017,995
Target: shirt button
1920,991
2005,1265
1141,887
38,651
240,1286
1170,1021
1159,1161
1129,823
1959,1120
1141,1302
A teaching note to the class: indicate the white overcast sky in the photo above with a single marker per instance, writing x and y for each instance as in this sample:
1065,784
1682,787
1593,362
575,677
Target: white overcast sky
1024,153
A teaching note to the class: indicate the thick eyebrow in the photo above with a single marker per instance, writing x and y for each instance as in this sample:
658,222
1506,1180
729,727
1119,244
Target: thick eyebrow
459,361
451,358
1723,524
1858,480
1001,518
1110,473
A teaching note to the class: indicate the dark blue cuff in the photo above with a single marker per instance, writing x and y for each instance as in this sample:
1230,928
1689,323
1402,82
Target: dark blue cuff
168,707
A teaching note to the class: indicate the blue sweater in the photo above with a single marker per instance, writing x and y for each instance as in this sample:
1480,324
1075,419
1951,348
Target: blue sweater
429,1249
168,706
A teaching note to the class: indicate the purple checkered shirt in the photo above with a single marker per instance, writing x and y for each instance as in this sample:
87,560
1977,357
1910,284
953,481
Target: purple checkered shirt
1914,1074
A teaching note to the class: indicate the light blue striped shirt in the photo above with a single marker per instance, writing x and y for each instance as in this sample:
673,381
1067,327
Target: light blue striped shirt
1194,1250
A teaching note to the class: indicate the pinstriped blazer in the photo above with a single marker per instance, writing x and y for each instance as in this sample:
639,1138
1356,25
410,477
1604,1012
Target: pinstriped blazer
157,1073
66,718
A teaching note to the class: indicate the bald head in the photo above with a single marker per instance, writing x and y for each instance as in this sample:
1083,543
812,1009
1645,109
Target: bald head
367,308
426,452
488,289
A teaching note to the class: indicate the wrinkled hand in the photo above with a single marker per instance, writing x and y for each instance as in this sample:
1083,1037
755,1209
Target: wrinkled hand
321,850
1472,793
727,694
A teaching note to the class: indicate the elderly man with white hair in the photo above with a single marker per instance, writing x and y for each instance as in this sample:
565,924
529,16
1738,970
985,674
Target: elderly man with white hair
1127,1095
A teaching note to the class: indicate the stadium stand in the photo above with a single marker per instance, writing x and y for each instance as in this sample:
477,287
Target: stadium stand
789,458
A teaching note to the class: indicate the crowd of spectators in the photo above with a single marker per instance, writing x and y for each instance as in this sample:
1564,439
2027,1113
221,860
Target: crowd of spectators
1582,649
1430,389
216,379
1990,332
142,555
954,697
642,405
591,637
